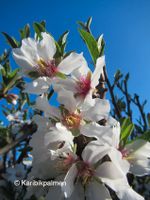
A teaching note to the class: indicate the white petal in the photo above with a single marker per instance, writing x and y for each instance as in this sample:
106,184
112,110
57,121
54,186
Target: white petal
38,86
58,134
42,122
69,180
94,152
100,63
115,135
111,176
81,71
140,167
88,101
139,157
116,158
46,47
99,111
67,84
140,149
99,42
22,61
43,105
67,99
102,133
128,193
54,193
29,49
70,63
78,193
97,191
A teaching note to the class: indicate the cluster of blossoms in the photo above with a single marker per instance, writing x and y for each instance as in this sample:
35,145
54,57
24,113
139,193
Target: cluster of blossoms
78,141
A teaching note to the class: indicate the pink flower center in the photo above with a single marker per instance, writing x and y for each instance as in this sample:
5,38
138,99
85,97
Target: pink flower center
69,160
84,85
48,68
85,172
124,153
65,163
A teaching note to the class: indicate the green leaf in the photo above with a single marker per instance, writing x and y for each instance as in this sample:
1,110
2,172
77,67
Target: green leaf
63,38
89,21
39,27
13,74
25,32
126,129
82,25
145,136
91,44
11,41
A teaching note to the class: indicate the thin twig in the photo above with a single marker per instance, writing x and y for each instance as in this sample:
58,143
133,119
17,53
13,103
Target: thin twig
128,100
118,113
141,111
28,132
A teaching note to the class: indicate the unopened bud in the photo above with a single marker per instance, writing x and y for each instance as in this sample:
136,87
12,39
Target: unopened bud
12,98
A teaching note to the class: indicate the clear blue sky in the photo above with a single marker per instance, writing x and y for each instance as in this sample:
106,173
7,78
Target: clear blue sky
124,23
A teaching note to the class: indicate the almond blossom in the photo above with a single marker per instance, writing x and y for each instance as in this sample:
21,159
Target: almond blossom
36,58
82,82
93,175
136,153
70,116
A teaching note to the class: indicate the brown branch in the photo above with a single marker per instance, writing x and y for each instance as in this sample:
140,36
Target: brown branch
118,113
141,111
128,100
29,129
101,87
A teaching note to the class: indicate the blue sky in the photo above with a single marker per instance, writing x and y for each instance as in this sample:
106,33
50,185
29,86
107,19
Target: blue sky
124,23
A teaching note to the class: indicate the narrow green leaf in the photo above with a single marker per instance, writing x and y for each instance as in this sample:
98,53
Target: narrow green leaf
127,132
89,21
91,44
127,128
145,136
11,41
38,28
63,38
27,30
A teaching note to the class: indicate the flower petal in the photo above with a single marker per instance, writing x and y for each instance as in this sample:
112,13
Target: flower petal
94,152
81,71
70,63
38,86
102,133
111,176
57,134
98,111
69,180
22,61
127,193
67,84
100,63
67,99
78,193
46,47
139,157
116,158
43,105
97,191
140,167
